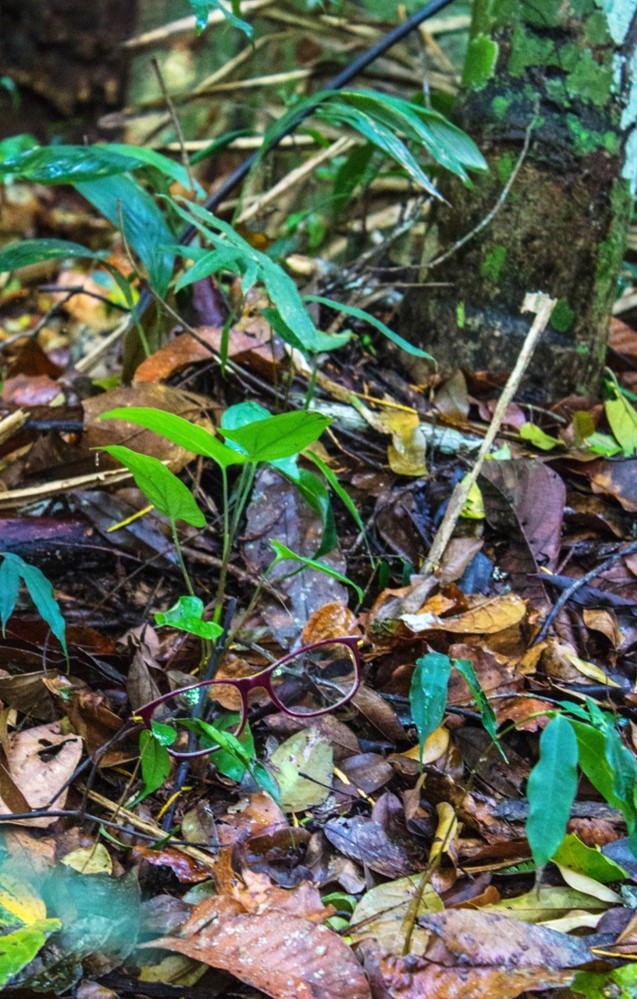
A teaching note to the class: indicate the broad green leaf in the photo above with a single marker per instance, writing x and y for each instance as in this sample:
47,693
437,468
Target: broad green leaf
278,436
187,615
428,694
622,418
592,760
465,667
33,251
178,430
9,589
40,591
380,135
155,761
588,860
165,734
243,413
551,789
228,763
162,487
446,143
65,164
283,553
351,310
139,156
535,435
17,949
620,983
244,754
125,202
15,145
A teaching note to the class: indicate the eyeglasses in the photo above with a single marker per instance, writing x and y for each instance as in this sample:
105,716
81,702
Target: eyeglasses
305,684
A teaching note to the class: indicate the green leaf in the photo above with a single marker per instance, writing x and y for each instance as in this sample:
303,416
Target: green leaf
254,266
161,486
178,430
592,759
588,860
40,591
620,983
278,436
227,762
202,8
315,344
125,202
165,734
66,164
33,251
342,493
622,418
428,694
19,948
9,589
155,761
187,615
350,310
535,435
241,753
465,667
283,553
551,789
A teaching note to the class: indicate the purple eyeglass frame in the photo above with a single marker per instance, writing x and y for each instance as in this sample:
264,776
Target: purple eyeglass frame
245,684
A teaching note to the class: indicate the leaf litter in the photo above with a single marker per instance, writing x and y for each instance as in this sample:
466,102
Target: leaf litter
431,838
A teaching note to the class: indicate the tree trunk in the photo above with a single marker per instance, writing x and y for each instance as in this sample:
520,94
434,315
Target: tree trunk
559,72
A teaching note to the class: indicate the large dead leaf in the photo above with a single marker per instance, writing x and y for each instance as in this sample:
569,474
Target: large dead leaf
285,956
489,939
414,978
485,618
40,761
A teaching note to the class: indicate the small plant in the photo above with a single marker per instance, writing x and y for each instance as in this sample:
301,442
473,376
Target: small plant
15,570
583,737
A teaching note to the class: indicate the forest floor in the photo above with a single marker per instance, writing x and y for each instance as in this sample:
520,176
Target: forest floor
399,831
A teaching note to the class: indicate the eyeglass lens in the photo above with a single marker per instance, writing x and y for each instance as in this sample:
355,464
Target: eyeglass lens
318,679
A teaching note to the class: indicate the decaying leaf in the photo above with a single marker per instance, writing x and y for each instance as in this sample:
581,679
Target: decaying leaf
303,766
40,761
283,955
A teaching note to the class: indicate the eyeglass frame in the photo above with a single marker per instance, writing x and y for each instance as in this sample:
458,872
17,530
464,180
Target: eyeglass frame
244,684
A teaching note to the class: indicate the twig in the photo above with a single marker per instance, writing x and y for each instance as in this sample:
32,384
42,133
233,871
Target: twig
566,595
174,117
542,305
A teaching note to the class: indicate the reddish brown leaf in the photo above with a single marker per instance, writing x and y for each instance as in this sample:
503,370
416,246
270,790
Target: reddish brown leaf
415,978
283,955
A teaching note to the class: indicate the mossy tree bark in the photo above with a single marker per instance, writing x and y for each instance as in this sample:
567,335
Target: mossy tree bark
565,70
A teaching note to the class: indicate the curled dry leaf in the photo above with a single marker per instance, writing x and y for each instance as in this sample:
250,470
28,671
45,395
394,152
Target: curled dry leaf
40,761
285,956
332,620
485,618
